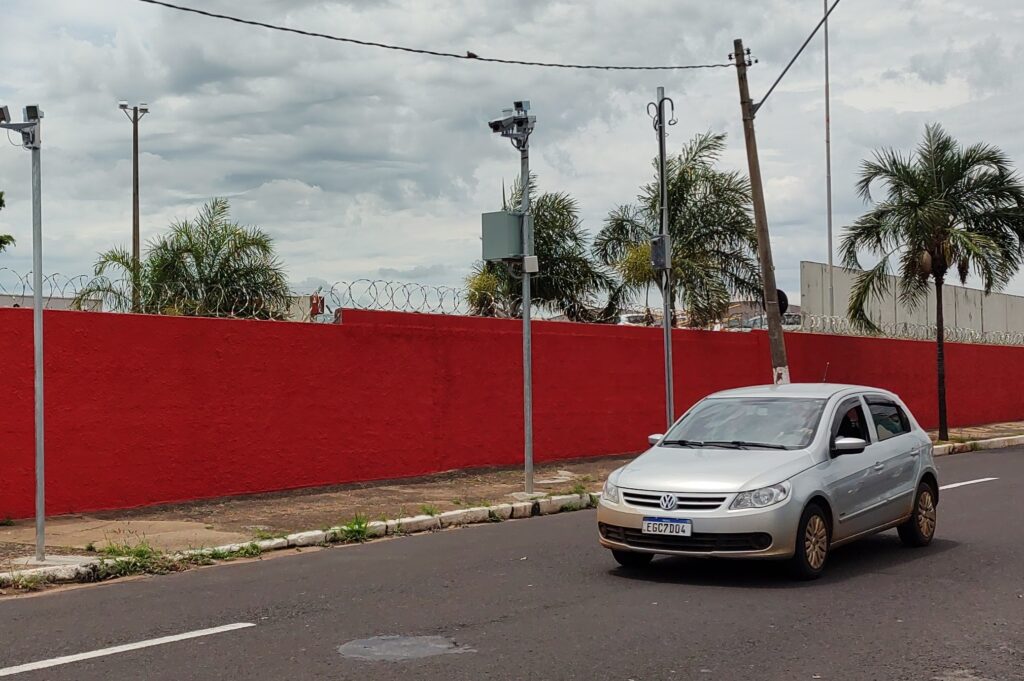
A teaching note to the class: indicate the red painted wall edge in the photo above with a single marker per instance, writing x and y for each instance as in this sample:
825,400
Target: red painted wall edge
143,410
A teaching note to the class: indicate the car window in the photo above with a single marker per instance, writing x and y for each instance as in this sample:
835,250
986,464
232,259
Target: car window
850,421
889,419
785,422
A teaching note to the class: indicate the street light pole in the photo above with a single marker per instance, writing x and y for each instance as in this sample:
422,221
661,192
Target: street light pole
135,114
661,250
828,175
31,135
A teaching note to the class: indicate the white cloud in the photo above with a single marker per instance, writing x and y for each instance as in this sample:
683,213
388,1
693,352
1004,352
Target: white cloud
366,163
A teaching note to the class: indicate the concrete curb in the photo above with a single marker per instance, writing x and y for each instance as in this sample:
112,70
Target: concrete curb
978,445
87,570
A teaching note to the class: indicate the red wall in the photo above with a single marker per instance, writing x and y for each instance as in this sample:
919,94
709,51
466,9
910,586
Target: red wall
144,410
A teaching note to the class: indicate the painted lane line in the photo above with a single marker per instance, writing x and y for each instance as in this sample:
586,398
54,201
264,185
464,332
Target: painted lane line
967,482
102,652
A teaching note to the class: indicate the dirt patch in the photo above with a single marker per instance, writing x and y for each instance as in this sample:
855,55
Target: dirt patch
205,523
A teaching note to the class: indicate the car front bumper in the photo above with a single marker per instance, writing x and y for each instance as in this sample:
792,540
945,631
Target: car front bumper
754,533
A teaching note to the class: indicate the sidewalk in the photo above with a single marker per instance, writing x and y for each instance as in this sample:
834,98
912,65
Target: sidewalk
218,522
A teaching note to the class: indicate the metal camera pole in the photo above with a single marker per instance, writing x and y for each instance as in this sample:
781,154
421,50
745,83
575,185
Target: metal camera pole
30,134
524,162
661,249
516,125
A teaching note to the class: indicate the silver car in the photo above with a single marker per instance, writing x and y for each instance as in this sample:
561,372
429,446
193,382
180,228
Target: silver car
786,472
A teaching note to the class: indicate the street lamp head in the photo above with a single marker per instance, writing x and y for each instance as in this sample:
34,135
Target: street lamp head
5,114
143,107
122,105
33,113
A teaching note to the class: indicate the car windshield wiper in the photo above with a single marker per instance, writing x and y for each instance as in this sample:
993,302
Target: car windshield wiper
702,443
743,444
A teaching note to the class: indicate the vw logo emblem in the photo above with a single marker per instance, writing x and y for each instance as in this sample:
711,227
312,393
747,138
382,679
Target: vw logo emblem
668,501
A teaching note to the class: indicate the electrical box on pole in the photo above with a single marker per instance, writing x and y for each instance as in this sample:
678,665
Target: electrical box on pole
661,252
502,235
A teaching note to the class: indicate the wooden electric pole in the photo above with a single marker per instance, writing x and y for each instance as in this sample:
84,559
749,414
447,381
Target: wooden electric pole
780,366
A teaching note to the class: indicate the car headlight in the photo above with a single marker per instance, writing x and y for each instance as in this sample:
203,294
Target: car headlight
610,493
761,498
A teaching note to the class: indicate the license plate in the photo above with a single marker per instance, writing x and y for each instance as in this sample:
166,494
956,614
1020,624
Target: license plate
671,526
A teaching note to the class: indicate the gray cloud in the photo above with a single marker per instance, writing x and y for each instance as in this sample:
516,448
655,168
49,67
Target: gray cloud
366,163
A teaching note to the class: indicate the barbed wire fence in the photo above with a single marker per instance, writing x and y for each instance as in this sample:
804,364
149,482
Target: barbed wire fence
100,294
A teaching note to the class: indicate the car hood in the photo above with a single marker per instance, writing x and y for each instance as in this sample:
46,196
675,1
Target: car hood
678,469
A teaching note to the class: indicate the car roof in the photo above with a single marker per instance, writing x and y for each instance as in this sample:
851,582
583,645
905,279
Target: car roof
798,390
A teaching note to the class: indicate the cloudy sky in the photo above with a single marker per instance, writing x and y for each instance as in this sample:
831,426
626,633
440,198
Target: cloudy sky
370,163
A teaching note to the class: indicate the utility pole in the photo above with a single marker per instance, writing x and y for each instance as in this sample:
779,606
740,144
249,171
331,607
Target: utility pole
661,249
828,174
135,114
780,365
31,135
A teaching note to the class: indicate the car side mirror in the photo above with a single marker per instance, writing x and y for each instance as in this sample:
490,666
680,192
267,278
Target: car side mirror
848,445
654,439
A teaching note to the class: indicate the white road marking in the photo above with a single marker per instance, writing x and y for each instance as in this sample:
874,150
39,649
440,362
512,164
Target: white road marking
67,659
967,482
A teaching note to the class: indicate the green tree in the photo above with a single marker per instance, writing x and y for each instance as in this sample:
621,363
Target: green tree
206,267
947,211
711,227
569,282
5,239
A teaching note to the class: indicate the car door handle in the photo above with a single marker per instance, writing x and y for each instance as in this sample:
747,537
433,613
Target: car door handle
878,467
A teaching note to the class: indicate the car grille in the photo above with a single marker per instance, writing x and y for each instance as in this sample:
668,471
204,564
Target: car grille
698,541
684,502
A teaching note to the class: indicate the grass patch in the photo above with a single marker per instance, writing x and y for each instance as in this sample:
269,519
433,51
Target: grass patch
578,489
29,582
263,535
572,506
493,517
429,509
90,548
356,530
6,522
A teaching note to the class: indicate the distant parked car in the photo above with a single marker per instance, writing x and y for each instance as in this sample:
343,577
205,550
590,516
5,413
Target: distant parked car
791,321
636,319
786,472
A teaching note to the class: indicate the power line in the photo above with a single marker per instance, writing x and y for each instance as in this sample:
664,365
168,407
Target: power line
795,56
469,56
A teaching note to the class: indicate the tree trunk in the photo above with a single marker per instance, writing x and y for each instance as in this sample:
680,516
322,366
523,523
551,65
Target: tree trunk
940,357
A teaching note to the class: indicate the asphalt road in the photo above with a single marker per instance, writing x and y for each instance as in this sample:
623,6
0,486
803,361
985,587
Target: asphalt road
538,599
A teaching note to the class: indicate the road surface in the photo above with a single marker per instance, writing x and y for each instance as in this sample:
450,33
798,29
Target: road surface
538,599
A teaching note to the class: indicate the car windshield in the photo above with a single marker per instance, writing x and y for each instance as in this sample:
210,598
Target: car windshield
773,422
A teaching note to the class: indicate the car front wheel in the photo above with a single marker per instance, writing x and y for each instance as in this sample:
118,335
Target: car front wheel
919,529
812,544
631,559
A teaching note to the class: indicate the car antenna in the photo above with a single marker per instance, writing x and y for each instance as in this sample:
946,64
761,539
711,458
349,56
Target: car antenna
826,372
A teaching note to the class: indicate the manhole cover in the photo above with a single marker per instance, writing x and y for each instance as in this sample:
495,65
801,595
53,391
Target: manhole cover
393,648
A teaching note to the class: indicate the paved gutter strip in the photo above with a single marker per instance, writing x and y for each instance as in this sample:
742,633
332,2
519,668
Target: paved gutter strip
86,571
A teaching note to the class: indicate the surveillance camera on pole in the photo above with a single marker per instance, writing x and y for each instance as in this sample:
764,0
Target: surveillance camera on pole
508,237
31,137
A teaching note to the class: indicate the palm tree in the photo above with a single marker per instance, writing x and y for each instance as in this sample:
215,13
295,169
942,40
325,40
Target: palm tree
947,211
5,239
207,267
569,281
711,229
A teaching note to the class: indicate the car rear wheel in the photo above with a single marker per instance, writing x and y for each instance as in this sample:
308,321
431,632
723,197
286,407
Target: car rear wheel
812,544
631,559
919,529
